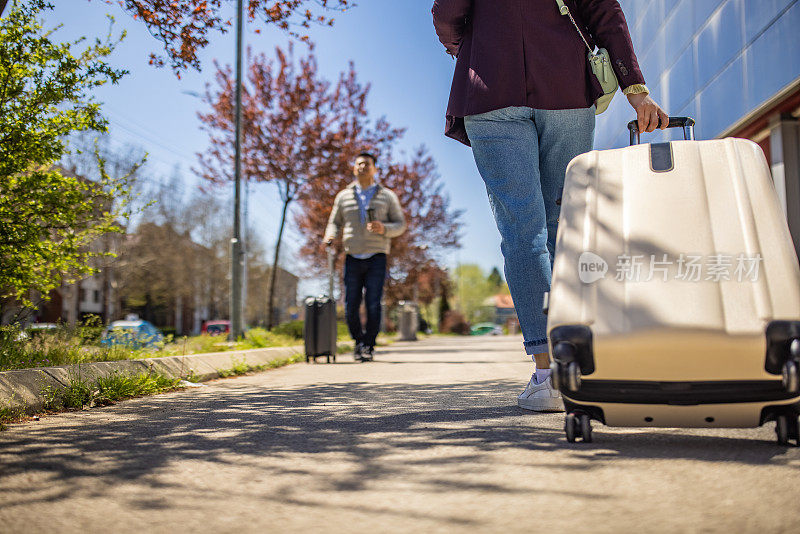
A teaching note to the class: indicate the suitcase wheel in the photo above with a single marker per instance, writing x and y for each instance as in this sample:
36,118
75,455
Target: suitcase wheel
570,427
586,428
555,375
565,376
790,377
578,424
573,376
787,428
566,369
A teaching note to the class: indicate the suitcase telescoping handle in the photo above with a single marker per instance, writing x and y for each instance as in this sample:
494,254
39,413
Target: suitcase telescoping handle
687,123
331,268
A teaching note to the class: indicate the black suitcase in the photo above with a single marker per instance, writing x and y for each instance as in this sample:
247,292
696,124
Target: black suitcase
319,329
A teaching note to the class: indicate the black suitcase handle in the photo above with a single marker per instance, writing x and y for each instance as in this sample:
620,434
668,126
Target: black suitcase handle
687,123
331,269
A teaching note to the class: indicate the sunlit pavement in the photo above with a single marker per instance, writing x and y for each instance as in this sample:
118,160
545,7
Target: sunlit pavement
426,438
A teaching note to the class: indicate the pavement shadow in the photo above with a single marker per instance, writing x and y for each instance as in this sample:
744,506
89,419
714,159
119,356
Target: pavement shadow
365,423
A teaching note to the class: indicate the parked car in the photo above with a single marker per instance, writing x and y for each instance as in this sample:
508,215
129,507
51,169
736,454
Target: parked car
42,326
34,330
131,333
217,327
482,329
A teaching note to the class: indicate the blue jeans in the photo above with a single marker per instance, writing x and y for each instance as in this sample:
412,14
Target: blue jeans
364,277
522,156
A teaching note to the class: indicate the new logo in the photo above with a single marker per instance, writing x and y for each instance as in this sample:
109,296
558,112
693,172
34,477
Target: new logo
591,267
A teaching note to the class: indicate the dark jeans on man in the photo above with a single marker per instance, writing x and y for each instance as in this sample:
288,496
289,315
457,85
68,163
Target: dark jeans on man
364,276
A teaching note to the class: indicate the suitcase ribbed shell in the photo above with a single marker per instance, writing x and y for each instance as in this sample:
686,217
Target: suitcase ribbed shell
718,202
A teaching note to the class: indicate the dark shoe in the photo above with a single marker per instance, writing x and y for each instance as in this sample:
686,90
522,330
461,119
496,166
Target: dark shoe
358,352
367,354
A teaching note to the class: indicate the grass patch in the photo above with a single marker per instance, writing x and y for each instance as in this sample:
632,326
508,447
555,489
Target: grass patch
106,390
83,393
193,377
240,367
99,392
10,415
75,345
280,362
61,346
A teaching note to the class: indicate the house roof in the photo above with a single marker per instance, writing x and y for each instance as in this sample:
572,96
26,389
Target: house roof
503,301
499,301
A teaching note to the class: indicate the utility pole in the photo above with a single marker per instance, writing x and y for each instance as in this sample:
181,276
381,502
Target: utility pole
460,272
245,240
236,240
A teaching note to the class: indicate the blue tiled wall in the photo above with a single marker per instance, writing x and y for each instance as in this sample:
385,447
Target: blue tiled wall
715,60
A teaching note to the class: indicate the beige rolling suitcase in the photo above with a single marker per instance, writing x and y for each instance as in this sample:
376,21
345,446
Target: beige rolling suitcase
675,298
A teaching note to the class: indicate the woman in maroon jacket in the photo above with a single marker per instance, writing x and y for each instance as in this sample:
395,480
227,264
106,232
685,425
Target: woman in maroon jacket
523,98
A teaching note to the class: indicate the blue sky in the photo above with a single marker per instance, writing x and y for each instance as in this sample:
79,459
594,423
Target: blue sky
393,46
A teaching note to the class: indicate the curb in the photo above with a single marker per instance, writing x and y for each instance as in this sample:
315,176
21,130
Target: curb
23,389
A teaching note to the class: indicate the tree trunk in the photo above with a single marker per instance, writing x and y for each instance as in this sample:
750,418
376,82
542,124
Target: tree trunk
106,312
444,305
274,273
76,305
179,315
3,6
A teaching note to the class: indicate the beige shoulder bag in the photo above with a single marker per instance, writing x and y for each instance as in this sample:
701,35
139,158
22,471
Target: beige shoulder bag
600,63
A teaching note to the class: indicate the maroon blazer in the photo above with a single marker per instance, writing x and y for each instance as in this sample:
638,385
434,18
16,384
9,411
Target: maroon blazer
525,53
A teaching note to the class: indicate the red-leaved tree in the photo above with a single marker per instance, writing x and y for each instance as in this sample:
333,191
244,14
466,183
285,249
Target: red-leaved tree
298,128
415,272
184,26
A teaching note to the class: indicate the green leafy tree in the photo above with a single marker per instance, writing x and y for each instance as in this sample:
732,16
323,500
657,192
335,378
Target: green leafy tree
472,289
47,218
495,278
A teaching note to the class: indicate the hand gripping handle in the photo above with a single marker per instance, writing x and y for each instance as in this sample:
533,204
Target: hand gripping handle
687,123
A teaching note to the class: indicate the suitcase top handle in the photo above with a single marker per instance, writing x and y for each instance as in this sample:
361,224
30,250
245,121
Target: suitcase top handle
687,123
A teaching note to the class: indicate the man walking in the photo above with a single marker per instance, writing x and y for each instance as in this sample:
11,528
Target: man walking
370,216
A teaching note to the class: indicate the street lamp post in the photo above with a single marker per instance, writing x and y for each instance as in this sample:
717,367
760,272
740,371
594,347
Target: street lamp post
236,240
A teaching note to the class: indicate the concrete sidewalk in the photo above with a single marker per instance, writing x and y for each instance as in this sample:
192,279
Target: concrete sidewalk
427,438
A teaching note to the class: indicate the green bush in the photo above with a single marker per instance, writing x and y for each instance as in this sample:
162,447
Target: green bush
168,331
90,334
258,338
292,328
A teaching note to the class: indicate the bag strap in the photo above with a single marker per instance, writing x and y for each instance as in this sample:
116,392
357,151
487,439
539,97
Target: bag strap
564,10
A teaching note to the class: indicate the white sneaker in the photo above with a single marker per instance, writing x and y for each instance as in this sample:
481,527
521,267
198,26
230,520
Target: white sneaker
540,397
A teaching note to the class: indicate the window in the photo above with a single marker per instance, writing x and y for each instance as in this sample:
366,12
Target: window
97,295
